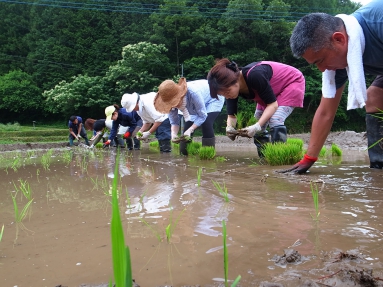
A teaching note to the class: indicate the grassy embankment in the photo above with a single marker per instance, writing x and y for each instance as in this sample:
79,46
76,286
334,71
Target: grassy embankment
15,133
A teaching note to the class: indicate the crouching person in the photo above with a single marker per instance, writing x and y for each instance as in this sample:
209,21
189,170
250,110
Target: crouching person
76,130
152,120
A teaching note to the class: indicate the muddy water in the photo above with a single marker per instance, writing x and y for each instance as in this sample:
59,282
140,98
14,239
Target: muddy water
65,235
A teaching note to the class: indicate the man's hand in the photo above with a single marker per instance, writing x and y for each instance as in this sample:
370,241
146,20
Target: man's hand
252,130
231,132
302,166
106,144
145,135
126,135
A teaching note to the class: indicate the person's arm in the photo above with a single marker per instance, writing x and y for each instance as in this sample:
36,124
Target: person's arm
268,113
145,127
79,128
322,122
72,133
154,127
320,128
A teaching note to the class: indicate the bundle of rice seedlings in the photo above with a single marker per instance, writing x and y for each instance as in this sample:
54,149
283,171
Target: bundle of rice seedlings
282,153
193,148
335,150
206,152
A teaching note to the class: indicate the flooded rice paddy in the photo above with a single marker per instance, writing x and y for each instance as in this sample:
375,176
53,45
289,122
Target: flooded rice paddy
56,210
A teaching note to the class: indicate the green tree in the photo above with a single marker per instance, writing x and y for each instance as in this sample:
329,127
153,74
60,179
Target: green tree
19,97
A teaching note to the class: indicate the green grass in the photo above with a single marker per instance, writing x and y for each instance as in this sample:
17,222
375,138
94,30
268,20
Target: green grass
16,133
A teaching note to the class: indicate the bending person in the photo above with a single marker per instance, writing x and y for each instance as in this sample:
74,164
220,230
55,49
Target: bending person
344,47
194,101
76,130
275,87
121,118
152,120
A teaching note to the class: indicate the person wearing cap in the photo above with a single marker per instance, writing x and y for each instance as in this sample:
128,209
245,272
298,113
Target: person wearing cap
76,130
123,124
133,142
152,120
194,101
275,87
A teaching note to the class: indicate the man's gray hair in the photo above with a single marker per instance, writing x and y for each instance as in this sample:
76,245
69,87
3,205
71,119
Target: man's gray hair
314,31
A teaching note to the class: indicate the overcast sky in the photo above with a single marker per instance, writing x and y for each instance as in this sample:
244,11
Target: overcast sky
363,1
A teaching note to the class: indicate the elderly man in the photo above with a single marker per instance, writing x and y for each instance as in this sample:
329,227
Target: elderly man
344,47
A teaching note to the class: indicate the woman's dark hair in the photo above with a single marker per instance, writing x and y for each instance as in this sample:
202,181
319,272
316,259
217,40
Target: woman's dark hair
224,74
72,118
116,107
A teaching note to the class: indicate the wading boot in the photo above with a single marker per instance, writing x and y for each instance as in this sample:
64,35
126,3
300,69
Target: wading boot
165,146
374,127
183,148
260,140
208,142
137,143
278,134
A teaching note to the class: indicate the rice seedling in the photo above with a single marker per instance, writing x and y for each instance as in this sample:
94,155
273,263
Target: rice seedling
282,153
199,173
171,226
154,144
84,164
323,152
206,152
46,159
16,164
222,190
220,158
251,121
298,142
67,156
193,148
24,188
335,150
240,120
151,228
315,194
99,145
19,216
1,232
226,258
122,267
31,153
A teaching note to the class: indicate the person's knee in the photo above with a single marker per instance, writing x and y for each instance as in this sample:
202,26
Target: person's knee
374,103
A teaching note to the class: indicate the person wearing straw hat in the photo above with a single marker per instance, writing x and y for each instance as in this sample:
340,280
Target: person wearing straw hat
76,130
153,121
194,101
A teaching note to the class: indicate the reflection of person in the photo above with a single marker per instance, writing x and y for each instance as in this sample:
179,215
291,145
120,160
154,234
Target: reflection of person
198,108
153,121
120,117
76,130
277,88
342,47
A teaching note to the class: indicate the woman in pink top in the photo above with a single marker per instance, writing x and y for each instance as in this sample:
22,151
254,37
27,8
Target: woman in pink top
275,87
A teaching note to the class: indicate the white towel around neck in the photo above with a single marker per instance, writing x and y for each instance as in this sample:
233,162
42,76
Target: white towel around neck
357,93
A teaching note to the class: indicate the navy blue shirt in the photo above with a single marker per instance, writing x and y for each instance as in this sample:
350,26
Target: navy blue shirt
124,119
74,126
